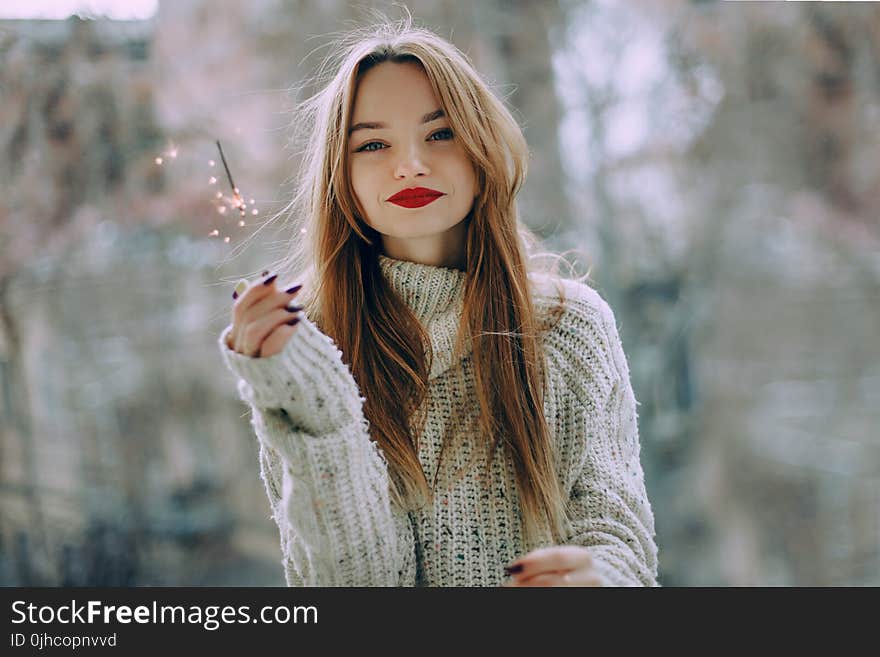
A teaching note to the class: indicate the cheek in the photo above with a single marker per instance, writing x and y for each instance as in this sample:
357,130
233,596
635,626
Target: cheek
467,178
467,181
360,183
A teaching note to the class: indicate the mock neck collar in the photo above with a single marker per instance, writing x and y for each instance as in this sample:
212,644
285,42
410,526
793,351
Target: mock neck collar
428,290
436,297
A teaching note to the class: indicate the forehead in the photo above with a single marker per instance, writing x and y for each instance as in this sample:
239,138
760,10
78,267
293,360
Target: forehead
393,89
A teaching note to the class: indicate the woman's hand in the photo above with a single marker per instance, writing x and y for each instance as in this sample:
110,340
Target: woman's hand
561,565
262,321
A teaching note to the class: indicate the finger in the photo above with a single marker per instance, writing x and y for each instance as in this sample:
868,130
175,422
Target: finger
544,579
573,578
270,302
243,285
255,292
253,334
520,579
246,295
240,287
278,338
557,557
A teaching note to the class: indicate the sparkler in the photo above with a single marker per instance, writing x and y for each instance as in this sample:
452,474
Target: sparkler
236,201
221,202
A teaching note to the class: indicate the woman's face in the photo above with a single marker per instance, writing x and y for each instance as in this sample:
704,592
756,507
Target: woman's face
406,145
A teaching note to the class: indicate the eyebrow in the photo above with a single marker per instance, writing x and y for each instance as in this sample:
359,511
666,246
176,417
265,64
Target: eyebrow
375,125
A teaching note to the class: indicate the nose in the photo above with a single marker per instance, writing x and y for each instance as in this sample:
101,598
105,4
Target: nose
411,163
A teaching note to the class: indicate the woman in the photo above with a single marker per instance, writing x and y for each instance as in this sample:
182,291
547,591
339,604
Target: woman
428,345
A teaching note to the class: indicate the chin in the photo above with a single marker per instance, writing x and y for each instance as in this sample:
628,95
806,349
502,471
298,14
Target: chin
415,227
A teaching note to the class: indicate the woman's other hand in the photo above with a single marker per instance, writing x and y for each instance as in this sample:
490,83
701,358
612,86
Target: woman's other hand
561,565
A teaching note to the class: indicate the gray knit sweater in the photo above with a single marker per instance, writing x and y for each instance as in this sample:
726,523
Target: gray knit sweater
327,482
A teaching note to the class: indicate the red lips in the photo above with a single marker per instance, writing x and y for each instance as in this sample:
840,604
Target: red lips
415,197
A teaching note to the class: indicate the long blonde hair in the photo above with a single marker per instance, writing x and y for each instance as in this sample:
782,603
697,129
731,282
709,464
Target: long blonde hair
334,252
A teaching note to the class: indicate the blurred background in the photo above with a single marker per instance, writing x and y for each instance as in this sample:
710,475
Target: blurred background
716,162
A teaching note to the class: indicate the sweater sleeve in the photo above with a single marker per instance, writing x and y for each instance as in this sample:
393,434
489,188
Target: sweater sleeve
608,504
326,480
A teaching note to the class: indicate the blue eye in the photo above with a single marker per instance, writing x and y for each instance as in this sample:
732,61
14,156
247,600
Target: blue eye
366,147
443,131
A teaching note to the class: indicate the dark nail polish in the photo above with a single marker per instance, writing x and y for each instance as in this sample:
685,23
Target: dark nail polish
293,289
234,294
270,279
510,570
293,309
292,321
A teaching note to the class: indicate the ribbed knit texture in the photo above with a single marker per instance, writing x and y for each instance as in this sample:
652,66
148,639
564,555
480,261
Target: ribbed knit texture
327,482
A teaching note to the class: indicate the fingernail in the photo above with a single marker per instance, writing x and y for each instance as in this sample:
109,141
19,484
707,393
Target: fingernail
293,289
292,321
234,294
270,279
513,569
293,309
